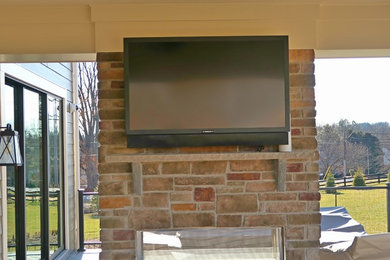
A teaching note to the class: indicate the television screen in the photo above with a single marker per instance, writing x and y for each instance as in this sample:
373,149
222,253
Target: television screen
206,91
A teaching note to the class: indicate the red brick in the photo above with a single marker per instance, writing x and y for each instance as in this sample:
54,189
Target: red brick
295,94
261,186
158,184
309,196
109,56
303,122
113,222
308,143
112,188
111,74
296,113
111,103
111,94
183,207
307,68
268,176
278,196
200,180
297,254
294,167
229,220
209,167
156,200
301,55
204,194
310,131
150,219
309,113
193,220
181,196
112,138
295,232
304,219
285,207
249,165
243,176
117,84
210,206
302,104
306,176
176,168
150,168
312,167
296,186
308,93
118,124
265,220
294,68
296,132
114,202
123,235
302,80
117,65
105,125
303,244
236,203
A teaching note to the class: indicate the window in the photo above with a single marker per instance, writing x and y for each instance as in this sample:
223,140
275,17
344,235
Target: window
35,190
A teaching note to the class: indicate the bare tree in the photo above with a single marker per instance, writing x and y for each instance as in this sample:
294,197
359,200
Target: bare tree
331,140
88,121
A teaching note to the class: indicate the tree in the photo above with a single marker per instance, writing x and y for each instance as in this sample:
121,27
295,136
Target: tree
329,146
374,153
88,121
335,146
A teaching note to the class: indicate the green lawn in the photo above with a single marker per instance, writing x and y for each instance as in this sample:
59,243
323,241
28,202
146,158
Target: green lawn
366,206
91,223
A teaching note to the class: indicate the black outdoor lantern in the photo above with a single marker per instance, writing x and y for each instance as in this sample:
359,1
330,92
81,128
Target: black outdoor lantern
9,147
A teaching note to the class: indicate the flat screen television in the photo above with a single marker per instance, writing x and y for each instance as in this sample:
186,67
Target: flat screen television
206,91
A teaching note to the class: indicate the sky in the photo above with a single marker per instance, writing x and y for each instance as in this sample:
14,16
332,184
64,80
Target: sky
357,89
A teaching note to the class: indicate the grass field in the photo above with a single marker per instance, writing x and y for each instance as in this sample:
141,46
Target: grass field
91,223
366,206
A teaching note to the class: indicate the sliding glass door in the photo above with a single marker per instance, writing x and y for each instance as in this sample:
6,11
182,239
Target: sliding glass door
35,193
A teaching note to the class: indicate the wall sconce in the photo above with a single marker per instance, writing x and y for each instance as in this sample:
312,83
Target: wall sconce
9,147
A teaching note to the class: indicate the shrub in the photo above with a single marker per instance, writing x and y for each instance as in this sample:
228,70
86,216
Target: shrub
388,176
330,182
358,178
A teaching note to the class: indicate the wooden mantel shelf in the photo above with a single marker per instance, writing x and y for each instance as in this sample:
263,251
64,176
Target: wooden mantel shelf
209,156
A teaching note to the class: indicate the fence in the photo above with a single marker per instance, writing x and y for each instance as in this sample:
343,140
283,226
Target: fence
369,205
347,181
89,222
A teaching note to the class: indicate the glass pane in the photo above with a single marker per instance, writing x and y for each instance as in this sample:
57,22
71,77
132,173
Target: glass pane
7,109
55,173
33,168
210,243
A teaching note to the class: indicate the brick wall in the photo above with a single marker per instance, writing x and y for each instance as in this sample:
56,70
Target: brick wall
189,189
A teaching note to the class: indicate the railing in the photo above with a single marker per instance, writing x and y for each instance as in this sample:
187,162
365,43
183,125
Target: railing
88,220
362,201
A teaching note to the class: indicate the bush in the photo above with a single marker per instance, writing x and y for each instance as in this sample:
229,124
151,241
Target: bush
330,182
358,178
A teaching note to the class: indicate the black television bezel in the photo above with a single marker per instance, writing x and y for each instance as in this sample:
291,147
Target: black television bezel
204,137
